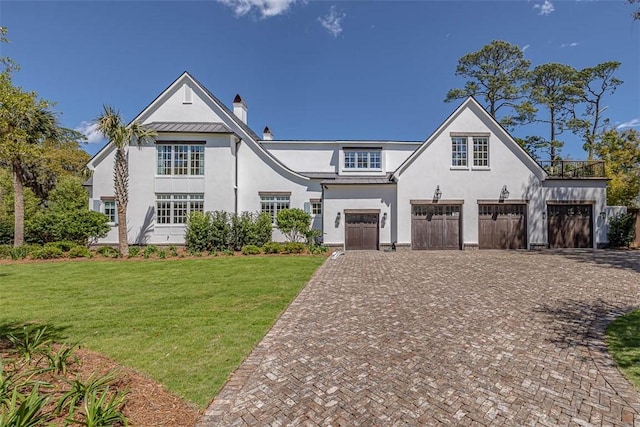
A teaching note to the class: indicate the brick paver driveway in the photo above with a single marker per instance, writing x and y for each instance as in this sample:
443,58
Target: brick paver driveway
454,338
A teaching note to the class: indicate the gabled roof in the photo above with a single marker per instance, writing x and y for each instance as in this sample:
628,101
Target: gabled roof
249,135
470,101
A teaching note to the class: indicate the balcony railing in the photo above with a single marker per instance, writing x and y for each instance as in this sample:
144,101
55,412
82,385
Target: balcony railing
574,168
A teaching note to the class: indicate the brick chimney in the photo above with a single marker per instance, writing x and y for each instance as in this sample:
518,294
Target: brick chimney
240,109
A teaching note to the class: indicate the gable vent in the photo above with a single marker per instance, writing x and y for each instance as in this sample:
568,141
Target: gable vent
187,94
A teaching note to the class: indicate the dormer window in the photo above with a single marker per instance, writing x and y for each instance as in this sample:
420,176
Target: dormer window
362,159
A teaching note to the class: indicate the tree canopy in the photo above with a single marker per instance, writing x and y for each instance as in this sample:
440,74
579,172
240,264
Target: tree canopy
621,153
496,75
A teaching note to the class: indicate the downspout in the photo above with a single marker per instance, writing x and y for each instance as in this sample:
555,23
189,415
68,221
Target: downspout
235,185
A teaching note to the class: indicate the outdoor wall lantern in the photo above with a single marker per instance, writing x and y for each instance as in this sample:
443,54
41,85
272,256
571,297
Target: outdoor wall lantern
438,194
544,215
338,219
504,193
603,215
384,220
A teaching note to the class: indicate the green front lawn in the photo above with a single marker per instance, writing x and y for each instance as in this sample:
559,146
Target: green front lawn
623,341
185,323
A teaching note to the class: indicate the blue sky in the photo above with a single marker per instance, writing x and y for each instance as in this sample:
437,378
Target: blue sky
307,69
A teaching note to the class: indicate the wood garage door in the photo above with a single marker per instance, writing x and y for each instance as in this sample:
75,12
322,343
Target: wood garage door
502,226
435,226
361,231
570,226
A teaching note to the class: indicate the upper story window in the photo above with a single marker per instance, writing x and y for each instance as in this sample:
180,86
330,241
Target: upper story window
180,159
369,159
477,157
481,151
458,151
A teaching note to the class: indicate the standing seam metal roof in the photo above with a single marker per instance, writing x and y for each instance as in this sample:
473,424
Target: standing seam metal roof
192,127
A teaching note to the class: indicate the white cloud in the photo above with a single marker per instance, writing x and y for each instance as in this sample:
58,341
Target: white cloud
633,123
545,8
525,47
266,8
572,44
332,21
90,130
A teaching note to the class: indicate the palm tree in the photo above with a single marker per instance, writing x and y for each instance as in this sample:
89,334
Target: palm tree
111,125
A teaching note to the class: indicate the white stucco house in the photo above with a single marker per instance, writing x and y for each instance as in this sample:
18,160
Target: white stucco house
468,185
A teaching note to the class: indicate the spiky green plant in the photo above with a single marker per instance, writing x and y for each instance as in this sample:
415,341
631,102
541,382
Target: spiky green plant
80,389
31,342
24,411
102,408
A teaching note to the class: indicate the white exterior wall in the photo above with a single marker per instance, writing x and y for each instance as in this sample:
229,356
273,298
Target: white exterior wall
327,156
305,157
432,168
103,187
258,174
338,198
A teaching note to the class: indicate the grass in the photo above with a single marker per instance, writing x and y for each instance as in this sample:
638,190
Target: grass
185,323
623,341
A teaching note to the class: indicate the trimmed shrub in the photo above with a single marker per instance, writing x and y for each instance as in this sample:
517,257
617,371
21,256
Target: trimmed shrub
263,229
227,252
80,227
21,252
250,250
294,224
295,247
46,252
316,250
621,230
173,250
64,245
162,254
240,230
108,252
272,248
150,250
134,251
79,252
5,251
220,230
199,231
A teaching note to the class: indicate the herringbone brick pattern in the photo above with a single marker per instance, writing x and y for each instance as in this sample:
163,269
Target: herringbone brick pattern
478,338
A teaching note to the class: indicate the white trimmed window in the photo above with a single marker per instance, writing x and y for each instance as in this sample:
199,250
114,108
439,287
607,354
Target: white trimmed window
109,209
180,159
274,203
175,208
362,159
480,151
459,151
316,206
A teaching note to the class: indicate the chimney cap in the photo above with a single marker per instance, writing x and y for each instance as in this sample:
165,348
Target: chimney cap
237,99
